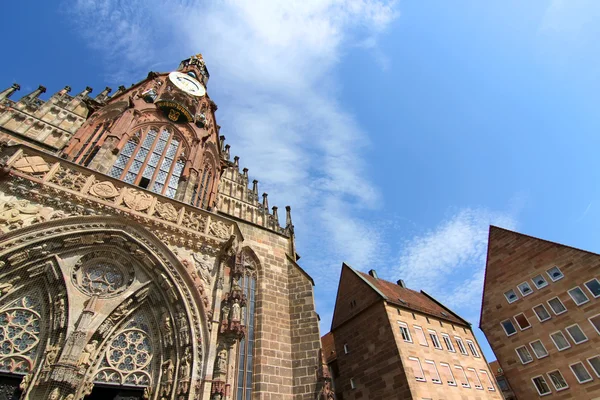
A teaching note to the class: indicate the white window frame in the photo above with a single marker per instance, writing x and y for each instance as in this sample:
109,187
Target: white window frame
461,345
592,367
352,384
433,334
519,325
423,379
562,275
443,364
519,355
576,377
417,330
536,388
566,340
405,326
473,348
585,284
504,329
587,299
538,316
552,381
491,387
592,324
521,291
571,336
467,384
448,342
346,351
560,301
535,283
533,349
477,383
439,378
515,293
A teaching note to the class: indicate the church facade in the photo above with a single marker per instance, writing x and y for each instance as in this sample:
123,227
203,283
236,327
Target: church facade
136,262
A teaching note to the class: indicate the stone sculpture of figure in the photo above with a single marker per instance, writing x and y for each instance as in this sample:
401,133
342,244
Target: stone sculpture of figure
168,329
225,312
70,397
54,395
60,319
236,311
121,310
168,370
204,265
51,355
25,382
87,352
222,360
183,328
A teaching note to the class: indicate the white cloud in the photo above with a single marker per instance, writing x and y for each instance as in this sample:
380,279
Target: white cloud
271,66
448,262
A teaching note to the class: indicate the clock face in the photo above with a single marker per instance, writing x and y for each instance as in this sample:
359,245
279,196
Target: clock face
187,83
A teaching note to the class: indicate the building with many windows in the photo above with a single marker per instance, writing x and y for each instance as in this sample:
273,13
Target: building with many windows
541,315
135,259
391,342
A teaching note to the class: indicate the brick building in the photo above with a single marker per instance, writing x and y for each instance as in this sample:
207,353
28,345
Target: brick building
391,342
541,315
135,259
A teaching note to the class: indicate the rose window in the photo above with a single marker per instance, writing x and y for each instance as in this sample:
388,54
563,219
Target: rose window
19,335
98,274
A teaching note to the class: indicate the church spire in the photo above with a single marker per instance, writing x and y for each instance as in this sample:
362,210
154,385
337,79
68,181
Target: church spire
6,93
196,67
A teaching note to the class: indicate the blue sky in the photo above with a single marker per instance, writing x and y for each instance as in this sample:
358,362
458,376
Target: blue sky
397,131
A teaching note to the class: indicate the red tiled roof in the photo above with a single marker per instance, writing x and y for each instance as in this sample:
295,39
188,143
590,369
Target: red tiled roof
408,298
328,345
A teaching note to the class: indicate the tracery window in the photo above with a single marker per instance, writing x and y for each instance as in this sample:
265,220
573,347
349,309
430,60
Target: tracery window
19,334
201,193
152,161
246,349
128,357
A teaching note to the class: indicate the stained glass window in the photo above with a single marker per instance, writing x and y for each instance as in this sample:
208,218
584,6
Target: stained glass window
246,348
156,158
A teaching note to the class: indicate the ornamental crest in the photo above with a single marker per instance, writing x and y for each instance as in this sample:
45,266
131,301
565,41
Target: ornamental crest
219,229
167,211
104,190
32,165
137,200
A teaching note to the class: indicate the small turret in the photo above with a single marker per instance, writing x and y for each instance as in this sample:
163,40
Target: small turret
85,92
222,143
103,95
227,147
196,67
120,90
63,91
275,216
265,202
33,96
236,162
6,93
255,188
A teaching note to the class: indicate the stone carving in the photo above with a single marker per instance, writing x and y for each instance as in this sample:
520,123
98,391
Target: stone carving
193,221
55,394
137,200
166,211
25,382
17,213
69,179
60,316
219,229
184,335
104,190
32,165
121,310
204,266
168,371
167,330
222,360
5,288
184,372
236,310
86,354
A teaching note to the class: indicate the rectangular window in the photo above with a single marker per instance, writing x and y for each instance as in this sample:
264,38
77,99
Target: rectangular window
487,380
541,313
462,377
472,348
541,386
539,281
560,341
580,372
404,332
420,335
558,381
525,289
576,334
461,345
448,342
595,321
578,296
508,327
524,355
511,296
432,371
474,378
416,367
595,364
594,287
554,274
538,349
447,375
522,321
434,339
557,306
346,351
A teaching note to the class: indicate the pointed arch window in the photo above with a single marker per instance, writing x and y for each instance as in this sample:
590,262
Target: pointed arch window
201,194
152,161
246,349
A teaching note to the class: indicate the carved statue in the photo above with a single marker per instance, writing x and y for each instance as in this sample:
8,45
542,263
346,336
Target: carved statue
222,360
60,319
54,395
184,372
121,310
51,354
204,265
225,313
70,397
236,310
168,370
87,352
87,388
25,381
183,328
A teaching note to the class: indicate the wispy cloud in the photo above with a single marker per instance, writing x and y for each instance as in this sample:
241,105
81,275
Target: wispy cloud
449,260
271,66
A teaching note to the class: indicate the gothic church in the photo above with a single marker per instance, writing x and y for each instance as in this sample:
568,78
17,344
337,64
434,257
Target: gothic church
136,262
